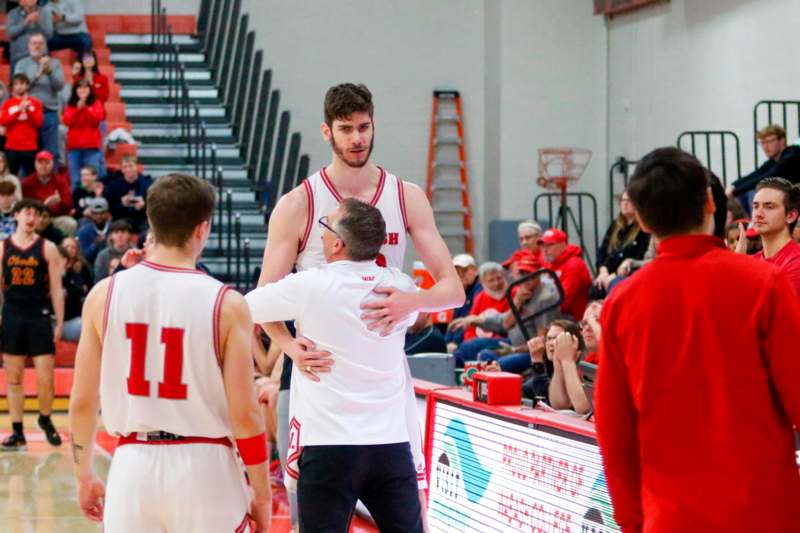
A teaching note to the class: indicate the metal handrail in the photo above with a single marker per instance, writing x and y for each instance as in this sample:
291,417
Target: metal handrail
237,232
247,277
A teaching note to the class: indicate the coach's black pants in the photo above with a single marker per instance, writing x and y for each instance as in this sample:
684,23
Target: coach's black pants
333,478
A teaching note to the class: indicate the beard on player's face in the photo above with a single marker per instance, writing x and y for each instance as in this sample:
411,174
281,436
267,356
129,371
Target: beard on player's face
347,157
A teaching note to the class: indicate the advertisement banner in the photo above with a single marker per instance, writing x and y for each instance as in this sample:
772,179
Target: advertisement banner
489,473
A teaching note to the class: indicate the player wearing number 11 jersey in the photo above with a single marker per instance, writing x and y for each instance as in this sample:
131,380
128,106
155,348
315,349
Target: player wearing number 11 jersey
168,349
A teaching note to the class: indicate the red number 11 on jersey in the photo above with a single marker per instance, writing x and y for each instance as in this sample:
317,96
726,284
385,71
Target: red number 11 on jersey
172,339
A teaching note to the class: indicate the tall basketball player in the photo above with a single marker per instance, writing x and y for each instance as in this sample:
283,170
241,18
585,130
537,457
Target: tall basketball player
168,349
295,241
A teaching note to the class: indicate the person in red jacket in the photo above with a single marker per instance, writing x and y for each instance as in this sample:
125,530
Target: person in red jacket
91,72
776,206
696,394
53,190
82,116
22,116
567,262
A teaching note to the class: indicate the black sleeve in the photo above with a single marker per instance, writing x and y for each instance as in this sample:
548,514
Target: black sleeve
749,182
788,166
638,250
602,252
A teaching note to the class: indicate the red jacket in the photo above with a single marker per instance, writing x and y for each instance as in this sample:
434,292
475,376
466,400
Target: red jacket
99,86
788,260
575,278
32,187
697,393
481,303
84,126
22,128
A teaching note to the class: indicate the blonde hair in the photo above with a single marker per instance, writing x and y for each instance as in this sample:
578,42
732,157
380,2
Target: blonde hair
772,129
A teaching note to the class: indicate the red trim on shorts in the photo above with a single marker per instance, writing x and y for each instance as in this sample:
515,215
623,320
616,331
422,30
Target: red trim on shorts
107,306
166,268
131,439
401,194
329,184
217,312
310,215
242,527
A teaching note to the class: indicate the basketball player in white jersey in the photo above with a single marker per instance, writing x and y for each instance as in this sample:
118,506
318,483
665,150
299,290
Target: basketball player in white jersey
168,350
294,240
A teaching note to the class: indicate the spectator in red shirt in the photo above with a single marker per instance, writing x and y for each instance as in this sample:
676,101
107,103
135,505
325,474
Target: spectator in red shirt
490,300
696,394
567,262
22,116
529,233
91,72
82,116
53,191
776,206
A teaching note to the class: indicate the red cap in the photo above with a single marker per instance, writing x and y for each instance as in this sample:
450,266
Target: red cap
529,263
44,154
516,256
553,236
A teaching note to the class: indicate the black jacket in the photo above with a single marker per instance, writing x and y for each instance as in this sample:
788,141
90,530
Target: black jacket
787,166
611,259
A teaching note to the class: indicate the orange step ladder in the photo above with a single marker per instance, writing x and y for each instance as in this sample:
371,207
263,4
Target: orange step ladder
448,183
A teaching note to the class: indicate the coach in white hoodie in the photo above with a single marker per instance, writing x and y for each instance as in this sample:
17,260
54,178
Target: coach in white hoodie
348,436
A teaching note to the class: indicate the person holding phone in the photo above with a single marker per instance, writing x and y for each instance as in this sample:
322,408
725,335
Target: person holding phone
126,194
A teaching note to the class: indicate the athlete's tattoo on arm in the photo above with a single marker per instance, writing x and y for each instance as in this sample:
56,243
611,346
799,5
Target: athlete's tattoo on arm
76,451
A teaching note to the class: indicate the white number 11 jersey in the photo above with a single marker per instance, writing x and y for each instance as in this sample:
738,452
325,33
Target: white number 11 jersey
160,368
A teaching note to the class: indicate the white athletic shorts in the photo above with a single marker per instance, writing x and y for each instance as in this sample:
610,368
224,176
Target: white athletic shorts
176,488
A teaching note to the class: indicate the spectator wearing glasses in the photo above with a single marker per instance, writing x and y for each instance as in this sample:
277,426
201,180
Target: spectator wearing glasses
776,206
47,80
655,389
623,240
782,160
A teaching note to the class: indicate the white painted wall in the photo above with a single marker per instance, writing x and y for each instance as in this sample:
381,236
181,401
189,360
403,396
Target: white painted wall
698,64
141,7
498,54
552,86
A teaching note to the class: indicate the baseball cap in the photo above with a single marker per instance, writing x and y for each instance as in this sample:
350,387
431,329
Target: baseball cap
44,154
516,256
464,261
553,236
529,263
97,205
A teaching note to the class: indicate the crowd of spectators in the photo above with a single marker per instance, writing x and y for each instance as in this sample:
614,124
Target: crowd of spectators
52,136
557,344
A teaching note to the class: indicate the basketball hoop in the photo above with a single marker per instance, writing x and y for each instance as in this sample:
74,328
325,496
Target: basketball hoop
561,167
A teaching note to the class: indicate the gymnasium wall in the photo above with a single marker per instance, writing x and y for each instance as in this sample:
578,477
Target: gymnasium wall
698,64
519,91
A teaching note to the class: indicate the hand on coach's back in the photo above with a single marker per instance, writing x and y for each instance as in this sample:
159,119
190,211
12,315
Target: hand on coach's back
384,314
307,359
